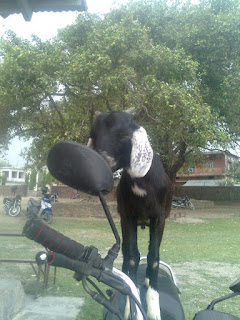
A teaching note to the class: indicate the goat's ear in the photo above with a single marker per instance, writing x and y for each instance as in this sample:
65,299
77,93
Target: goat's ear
132,111
90,143
141,154
97,113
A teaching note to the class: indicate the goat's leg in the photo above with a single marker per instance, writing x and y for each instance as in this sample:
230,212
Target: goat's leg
131,254
152,295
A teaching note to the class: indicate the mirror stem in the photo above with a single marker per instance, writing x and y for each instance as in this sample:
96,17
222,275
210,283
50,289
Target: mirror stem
109,217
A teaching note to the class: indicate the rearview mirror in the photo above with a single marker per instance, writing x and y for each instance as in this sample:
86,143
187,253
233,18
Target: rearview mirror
80,167
235,286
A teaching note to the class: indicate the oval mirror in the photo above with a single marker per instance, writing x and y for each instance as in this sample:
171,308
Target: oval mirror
80,167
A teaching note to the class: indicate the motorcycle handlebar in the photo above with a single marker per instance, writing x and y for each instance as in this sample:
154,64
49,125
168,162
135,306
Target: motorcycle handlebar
83,268
57,242
85,261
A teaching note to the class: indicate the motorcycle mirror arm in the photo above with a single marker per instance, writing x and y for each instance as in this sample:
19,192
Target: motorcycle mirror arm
110,219
231,295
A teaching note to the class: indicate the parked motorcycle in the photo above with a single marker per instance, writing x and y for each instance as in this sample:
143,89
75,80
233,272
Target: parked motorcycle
12,206
184,202
54,197
83,169
41,209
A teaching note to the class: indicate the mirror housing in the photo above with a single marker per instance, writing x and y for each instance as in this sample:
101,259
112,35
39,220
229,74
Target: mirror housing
80,167
235,286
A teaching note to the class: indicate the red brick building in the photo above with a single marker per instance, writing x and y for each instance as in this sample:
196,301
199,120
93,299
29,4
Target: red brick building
213,166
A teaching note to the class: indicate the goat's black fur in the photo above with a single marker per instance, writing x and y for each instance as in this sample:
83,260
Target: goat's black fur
141,200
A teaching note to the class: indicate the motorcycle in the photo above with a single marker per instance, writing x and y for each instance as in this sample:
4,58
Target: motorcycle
67,163
184,202
40,209
54,197
12,206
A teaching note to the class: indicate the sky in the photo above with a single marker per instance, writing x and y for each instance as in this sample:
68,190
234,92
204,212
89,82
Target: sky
45,25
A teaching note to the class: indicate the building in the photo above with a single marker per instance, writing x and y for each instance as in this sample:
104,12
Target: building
27,7
214,169
13,176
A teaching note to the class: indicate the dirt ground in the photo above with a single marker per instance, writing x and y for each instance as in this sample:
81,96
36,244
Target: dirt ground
90,208
204,210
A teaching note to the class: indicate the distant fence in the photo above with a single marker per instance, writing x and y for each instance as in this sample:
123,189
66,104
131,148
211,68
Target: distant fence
22,190
67,192
209,193
198,193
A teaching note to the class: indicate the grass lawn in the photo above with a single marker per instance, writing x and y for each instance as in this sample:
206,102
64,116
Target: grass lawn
204,256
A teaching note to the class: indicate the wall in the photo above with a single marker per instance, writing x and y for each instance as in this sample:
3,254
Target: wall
67,192
209,193
22,190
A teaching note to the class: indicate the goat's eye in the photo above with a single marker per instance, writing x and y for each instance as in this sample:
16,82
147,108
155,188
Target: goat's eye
124,137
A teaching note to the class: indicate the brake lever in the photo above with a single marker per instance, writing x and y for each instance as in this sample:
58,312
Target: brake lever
83,269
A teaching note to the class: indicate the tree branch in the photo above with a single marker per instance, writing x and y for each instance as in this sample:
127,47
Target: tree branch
57,110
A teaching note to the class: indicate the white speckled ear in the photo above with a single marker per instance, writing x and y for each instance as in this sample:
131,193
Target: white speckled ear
141,154
90,144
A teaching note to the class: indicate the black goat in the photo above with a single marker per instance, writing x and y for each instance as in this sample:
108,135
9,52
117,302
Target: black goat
141,194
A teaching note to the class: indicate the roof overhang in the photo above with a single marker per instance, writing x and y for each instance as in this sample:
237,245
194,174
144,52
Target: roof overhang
27,7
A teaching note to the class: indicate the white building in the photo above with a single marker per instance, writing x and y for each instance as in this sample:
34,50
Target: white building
14,176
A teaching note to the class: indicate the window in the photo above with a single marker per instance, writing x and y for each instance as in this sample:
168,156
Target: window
210,164
229,165
6,173
21,175
14,174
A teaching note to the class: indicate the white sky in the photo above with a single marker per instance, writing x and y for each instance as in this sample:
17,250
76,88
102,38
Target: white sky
44,25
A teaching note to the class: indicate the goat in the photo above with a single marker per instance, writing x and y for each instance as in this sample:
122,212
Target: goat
141,193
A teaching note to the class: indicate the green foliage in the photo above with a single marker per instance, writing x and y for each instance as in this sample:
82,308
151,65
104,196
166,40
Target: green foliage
4,163
3,179
177,64
234,171
32,180
45,178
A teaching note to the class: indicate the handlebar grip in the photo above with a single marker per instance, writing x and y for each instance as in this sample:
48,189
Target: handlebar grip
83,268
57,242
59,260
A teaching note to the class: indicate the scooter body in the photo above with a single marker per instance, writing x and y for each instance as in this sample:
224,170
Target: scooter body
169,298
40,209
169,295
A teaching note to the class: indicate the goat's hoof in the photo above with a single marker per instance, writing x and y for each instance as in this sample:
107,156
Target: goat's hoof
127,309
153,306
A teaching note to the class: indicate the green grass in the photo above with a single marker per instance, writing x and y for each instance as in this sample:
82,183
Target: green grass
205,258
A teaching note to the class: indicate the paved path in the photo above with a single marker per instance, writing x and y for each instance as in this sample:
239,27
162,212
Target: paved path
15,305
50,308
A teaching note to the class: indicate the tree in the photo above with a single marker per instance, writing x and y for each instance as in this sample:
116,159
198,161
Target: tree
32,180
234,171
45,178
206,108
4,163
177,64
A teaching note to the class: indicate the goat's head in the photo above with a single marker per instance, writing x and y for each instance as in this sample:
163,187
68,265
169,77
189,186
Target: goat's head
122,143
